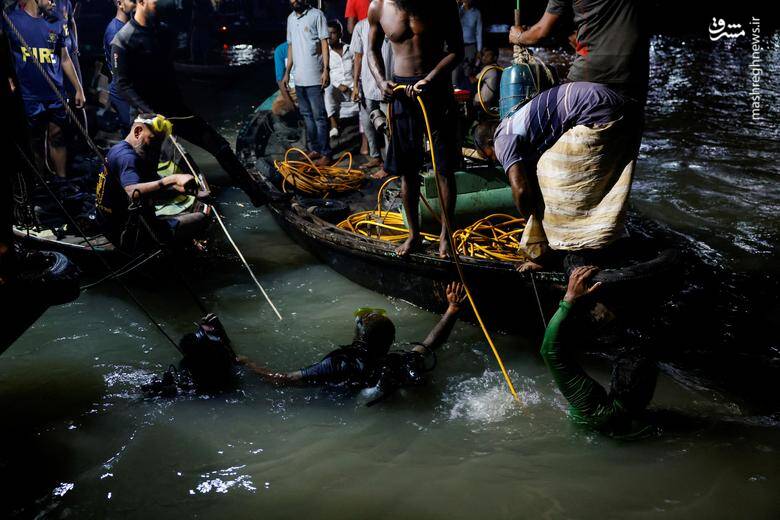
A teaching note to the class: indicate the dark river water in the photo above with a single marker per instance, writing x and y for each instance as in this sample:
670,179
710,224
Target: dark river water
79,440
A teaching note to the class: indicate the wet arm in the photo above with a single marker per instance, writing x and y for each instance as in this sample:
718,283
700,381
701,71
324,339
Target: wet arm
587,398
357,68
479,31
441,331
121,75
74,30
147,188
325,55
274,377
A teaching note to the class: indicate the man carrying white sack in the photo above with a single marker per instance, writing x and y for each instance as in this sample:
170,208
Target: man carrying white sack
569,155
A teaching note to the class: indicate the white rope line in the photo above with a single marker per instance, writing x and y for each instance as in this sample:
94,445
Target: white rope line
227,233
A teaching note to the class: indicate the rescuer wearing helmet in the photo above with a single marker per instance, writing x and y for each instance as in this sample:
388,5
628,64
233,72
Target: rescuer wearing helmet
368,362
130,179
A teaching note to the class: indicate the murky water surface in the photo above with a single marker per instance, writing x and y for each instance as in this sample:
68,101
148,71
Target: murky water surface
79,441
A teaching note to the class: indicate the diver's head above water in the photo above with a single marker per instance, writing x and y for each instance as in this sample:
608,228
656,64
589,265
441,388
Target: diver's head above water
374,331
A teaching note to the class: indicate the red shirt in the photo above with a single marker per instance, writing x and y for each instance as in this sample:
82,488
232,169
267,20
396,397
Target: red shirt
357,9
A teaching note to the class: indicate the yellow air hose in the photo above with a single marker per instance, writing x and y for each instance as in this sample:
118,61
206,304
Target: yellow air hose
495,237
479,89
456,257
307,177
388,226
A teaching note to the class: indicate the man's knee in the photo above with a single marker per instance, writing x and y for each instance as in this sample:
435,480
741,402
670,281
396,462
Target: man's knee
56,136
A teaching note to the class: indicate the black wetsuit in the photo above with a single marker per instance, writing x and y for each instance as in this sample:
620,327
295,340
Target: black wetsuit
145,77
351,366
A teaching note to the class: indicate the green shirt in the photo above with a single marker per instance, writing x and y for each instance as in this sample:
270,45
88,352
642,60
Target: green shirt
589,403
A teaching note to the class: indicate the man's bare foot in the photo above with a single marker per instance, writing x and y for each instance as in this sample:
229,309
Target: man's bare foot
313,155
323,161
529,266
412,243
379,174
444,248
372,163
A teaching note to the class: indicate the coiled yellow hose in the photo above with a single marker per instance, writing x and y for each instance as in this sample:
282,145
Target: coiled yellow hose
305,176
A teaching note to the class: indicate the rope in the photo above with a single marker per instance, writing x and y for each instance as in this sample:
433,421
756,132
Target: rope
538,301
93,249
306,176
57,92
495,237
125,269
249,269
227,233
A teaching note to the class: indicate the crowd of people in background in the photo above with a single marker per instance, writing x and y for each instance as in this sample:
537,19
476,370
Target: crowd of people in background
327,73
344,80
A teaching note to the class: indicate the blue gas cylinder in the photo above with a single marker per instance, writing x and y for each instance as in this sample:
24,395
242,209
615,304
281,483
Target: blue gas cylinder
521,82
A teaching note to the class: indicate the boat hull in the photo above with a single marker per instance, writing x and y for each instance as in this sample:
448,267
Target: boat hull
502,294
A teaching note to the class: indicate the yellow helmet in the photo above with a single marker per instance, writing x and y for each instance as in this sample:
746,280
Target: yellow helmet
160,124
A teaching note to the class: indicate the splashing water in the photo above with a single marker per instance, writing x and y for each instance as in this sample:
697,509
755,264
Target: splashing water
485,399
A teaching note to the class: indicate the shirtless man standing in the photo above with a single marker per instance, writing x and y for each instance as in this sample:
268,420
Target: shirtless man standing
427,43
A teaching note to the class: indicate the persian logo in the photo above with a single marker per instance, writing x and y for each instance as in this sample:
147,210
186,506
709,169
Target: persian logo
719,28
52,37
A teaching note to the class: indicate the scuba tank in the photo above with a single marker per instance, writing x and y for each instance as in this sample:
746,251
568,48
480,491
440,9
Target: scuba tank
522,82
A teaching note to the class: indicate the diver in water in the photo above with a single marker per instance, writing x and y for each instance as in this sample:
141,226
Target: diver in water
207,364
368,362
617,412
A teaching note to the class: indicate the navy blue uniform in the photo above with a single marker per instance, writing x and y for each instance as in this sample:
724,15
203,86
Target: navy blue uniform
63,14
119,103
45,41
124,168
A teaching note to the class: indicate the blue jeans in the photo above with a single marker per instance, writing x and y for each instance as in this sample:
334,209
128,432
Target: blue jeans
311,103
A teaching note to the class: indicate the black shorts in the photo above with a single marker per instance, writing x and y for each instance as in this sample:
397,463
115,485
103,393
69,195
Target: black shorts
405,152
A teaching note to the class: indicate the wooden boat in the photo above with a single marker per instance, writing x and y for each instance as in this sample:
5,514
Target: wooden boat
62,236
502,293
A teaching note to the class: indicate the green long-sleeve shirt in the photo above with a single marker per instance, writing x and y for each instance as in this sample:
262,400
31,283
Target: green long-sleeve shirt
589,403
